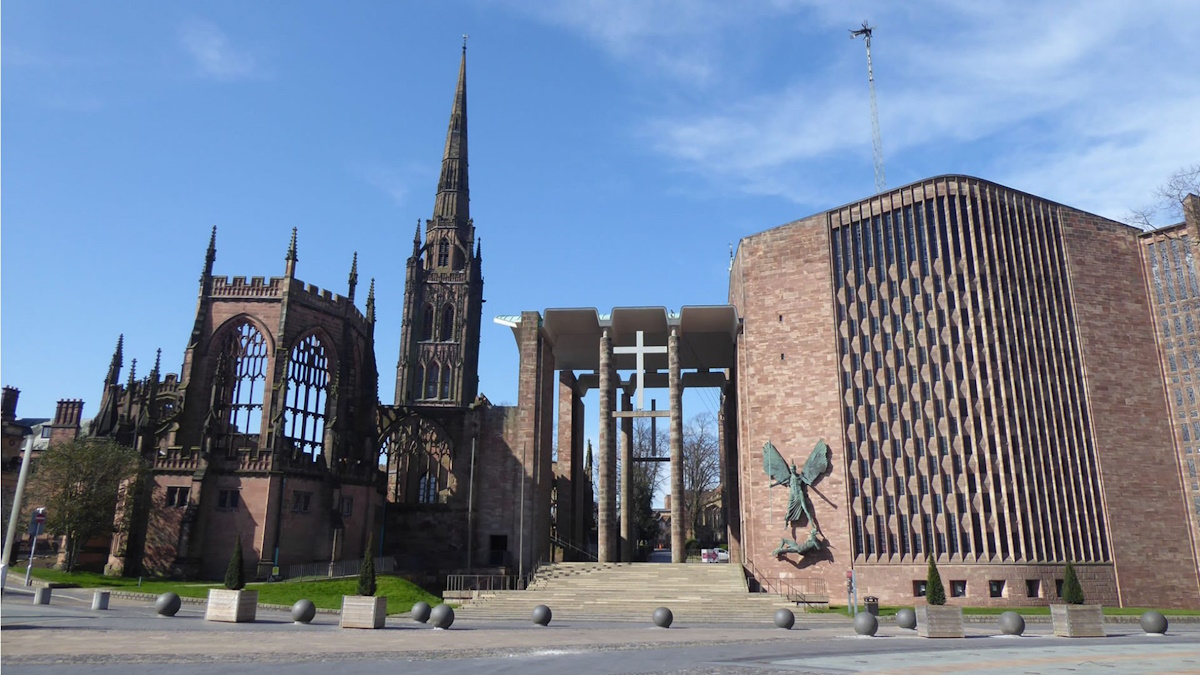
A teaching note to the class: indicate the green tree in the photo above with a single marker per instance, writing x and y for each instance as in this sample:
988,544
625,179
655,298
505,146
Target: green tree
935,592
79,482
366,571
235,574
1072,592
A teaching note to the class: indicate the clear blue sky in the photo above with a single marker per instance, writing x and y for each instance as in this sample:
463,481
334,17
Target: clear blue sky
616,148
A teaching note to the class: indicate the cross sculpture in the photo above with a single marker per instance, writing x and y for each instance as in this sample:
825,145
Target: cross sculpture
640,350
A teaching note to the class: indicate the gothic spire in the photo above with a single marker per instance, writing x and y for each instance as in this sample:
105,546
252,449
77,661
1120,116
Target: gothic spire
353,276
291,256
118,358
371,302
417,239
209,257
453,195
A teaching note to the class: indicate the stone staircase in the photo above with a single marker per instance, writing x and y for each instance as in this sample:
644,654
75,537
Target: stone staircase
694,592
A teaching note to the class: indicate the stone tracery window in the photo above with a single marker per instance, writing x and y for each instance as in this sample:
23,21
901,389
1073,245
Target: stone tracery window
307,395
443,253
431,381
419,462
447,329
241,375
427,323
427,489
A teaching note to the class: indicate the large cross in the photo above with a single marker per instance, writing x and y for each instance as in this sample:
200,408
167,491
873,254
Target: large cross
640,349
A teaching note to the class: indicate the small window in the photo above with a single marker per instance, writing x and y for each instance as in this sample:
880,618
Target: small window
919,588
228,499
958,589
177,496
1033,588
996,588
301,501
46,432
1058,584
347,507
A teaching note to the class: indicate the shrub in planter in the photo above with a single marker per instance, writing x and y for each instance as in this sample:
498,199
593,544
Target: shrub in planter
364,610
935,592
232,604
1073,618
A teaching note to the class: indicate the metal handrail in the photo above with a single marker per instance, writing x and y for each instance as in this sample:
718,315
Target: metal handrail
568,545
795,590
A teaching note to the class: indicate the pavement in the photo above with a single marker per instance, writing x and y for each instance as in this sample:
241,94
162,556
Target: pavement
68,637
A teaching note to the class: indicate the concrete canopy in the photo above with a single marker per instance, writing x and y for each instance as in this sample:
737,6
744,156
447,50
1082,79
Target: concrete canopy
707,335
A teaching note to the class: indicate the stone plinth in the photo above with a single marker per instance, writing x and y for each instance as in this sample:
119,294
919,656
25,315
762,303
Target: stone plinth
363,611
939,621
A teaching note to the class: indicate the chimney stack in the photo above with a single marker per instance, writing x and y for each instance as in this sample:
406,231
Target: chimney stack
8,404
67,417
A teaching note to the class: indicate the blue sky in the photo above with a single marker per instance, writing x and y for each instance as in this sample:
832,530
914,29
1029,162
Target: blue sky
617,148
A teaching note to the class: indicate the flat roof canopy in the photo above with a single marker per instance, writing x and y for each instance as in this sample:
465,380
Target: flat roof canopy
707,335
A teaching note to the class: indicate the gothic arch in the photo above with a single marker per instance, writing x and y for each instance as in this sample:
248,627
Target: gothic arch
433,375
446,329
420,459
427,323
241,350
311,383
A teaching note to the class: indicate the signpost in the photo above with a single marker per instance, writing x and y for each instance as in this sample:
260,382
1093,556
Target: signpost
36,525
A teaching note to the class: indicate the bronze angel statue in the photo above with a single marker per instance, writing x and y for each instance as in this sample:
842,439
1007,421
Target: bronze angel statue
798,481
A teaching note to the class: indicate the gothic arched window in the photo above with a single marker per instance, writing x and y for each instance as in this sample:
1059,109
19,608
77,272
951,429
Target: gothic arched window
428,488
447,333
307,395
431,381
241,377
427,323
446,375
418,382
443,253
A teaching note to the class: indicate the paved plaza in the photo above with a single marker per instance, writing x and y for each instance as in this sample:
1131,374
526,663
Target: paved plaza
67,637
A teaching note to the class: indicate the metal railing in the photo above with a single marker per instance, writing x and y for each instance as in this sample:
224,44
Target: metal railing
459,583
806,590
338,568
566,545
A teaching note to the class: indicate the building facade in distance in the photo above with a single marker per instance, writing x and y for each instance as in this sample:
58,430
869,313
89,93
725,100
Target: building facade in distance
983,366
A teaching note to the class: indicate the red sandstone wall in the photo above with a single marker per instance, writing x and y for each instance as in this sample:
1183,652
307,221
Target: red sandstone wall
787,391
1147,524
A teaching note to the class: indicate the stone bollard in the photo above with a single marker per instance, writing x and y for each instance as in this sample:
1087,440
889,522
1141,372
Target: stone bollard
866,624
167,604
100,600
1011,623
1154,623
442,616
303,611
784,618
541,615
41,595
906,618
663,617
420,612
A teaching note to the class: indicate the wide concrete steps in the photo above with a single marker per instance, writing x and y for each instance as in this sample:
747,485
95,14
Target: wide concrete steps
695,593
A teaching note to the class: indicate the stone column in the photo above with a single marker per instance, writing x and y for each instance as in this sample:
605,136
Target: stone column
678,536
606,534
628,533
567,465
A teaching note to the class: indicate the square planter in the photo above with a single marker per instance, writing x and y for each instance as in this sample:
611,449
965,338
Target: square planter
1077,620
939,621
231,606
363,611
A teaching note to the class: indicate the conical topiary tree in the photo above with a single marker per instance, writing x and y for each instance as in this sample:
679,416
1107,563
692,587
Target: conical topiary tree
235,575
935,592
1072,592
366,571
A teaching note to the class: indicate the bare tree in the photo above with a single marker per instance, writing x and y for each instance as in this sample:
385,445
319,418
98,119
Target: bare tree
78,483
646,478
701,471
1170,200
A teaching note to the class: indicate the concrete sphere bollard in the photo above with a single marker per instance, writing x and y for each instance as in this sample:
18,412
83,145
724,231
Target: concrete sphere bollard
663,617
906,618
441,616
1011,623
542,615
1154,623
304,611
784,618
420,612
168,604
865,623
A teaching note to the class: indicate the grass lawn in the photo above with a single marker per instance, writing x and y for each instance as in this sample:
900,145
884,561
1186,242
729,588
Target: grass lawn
327,593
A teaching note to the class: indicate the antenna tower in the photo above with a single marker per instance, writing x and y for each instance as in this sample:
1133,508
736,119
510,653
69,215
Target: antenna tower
876,138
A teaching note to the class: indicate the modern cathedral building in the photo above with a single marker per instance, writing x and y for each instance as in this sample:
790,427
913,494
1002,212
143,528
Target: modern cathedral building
1005,384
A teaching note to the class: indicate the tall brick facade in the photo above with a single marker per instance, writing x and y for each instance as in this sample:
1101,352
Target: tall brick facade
980,362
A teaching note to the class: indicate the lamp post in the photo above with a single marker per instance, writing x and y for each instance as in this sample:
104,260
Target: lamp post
11,536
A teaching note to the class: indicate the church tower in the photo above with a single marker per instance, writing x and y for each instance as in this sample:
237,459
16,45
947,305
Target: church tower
443,291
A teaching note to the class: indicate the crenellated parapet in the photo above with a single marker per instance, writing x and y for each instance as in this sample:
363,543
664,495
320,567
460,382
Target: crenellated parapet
240,287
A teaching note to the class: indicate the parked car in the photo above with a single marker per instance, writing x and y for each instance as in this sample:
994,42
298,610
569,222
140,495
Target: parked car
714,555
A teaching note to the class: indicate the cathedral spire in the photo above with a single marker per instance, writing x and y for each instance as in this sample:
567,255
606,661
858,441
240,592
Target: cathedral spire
353,276
118,358
291,257
453,195
417,239
209,258
371,302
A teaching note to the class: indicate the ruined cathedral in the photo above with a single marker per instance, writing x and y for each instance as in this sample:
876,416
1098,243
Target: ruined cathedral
273,431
